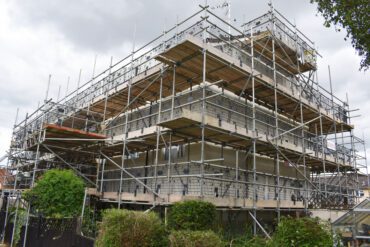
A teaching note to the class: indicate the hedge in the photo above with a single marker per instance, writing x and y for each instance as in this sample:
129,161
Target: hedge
186,238
192,215
124,228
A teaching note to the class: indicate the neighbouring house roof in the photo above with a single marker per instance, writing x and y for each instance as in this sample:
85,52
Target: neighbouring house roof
3,174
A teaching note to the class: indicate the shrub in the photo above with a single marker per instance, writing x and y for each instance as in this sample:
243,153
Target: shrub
186,238
89,223
192,215
120,228
249,241
58,193
302,232
19,223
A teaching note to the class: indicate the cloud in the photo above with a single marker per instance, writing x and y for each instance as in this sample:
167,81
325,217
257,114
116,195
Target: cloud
100,25
42,37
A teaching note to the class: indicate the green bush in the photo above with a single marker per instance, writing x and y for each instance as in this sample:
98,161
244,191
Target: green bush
58,193
89,222
186,238
121,228
192,215
249,241
19,223
302,232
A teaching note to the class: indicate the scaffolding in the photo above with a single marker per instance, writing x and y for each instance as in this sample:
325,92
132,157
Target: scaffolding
206,110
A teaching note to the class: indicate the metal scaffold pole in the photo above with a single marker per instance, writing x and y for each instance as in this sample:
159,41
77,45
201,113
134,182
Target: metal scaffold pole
169,167
353,157
17,199
365,156
77,94
6,219
277,157
302,130
335,134
158,134
203,85
125,153
254,138
37,157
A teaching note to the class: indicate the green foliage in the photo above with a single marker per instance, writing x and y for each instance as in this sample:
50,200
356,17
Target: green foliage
186,238
354,17
19,222
302,232
58,193
247,241
192,215
89,224
121,228
337,238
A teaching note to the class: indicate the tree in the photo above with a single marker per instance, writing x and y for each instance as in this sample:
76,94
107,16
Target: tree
58,193
352,15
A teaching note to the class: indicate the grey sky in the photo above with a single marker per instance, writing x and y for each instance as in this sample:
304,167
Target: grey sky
42,37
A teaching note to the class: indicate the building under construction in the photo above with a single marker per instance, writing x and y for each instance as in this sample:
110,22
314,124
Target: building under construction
234,115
